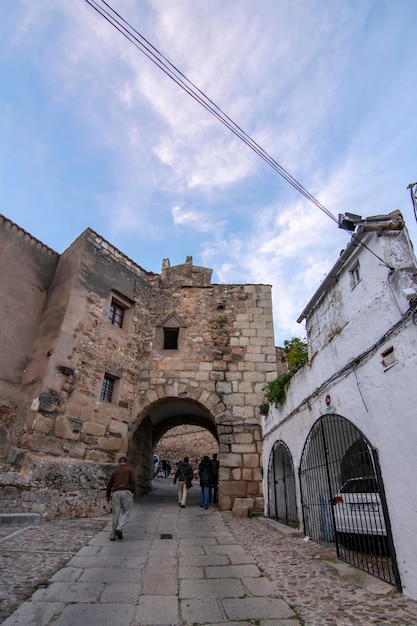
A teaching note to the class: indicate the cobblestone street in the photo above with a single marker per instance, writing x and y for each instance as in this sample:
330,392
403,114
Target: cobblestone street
321,590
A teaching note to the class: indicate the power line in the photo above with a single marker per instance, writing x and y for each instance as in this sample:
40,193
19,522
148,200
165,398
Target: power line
128,31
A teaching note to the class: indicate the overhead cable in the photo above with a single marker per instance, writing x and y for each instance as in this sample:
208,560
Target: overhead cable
128,31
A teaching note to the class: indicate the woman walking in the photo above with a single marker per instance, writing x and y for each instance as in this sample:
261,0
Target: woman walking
205,471
184,476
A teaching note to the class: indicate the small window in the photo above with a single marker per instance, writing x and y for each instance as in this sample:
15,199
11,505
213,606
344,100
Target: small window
107,389
389,358
356,275
171,338
116,314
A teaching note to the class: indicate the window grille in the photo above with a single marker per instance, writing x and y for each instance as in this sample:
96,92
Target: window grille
107,388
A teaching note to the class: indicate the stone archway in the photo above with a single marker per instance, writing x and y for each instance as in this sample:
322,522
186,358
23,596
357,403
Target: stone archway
240,445
157,419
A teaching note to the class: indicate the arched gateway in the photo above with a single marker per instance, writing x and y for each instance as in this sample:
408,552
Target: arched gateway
112,356
156,420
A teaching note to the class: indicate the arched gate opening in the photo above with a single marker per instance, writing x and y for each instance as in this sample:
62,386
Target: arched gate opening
282,502
156,420
343,497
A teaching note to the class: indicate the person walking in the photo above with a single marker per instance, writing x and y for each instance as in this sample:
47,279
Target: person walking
184,476
120,490
215,485
205,471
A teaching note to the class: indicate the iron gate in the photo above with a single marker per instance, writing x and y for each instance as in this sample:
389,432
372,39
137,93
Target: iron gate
282,500
343,498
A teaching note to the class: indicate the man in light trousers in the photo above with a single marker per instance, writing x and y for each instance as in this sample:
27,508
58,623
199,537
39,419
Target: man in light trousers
120,490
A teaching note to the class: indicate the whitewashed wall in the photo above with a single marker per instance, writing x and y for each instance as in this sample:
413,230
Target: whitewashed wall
382,403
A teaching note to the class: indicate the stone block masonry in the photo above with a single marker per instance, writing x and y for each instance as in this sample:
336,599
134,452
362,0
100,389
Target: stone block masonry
180,351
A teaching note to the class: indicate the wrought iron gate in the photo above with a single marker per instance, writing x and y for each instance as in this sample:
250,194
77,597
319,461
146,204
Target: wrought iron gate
343,497
281,486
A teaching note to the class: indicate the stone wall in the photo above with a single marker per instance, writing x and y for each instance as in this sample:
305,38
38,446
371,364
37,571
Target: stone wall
190,441
27,270
53,487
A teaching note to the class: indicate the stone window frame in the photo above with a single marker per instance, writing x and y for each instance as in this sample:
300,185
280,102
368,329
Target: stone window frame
120,301
110,386
172,322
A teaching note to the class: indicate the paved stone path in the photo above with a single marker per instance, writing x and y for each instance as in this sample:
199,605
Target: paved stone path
183,567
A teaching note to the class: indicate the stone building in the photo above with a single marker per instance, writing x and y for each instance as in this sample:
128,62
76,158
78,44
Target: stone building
339,454
101,357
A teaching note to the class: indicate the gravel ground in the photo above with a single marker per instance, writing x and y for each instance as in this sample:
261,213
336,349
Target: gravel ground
30,556
307,576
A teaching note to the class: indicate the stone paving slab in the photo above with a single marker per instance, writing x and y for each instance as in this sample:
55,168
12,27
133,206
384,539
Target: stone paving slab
29,614
201,611
96,615
157,611
232,571
214,588
256,608
69,592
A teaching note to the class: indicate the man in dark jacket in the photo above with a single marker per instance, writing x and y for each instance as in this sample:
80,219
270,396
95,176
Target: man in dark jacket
184,476
120,490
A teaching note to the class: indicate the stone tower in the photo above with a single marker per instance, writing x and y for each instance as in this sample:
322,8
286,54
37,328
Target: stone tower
107,357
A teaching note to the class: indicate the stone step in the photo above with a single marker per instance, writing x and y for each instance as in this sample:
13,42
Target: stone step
20,519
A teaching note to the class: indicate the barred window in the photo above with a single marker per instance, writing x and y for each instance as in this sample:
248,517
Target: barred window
107,388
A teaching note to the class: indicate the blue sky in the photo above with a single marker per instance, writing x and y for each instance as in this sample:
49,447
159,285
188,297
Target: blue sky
92,134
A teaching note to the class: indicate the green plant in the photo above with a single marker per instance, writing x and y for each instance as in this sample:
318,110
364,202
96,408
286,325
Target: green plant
296,354
264,408
275,389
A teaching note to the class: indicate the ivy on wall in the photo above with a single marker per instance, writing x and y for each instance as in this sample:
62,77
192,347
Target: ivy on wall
295,355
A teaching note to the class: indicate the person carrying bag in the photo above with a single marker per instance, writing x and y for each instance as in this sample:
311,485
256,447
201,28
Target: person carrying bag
184,476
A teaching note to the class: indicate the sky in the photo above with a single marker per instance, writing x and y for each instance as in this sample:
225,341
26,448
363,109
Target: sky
94,135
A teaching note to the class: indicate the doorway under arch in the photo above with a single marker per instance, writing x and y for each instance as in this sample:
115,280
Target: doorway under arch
154,422
343,497
282,501
186,440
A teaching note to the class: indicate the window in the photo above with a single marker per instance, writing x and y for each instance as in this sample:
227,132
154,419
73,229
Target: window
356,275
388,358
171,333
107,389
171,338
116,314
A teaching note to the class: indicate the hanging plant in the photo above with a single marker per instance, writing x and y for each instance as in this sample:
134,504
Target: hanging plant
296,354
275,390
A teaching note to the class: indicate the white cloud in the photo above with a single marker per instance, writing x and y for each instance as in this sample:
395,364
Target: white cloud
195,219
307,79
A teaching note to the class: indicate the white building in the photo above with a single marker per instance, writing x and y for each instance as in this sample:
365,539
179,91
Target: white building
351,412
